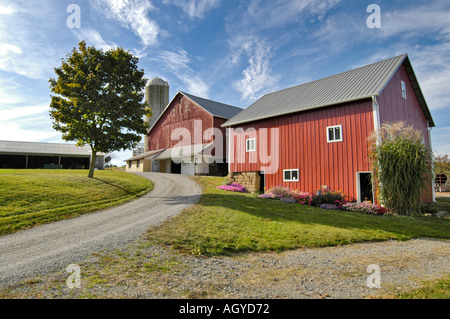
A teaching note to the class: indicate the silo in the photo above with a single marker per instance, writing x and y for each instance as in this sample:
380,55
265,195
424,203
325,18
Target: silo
157,97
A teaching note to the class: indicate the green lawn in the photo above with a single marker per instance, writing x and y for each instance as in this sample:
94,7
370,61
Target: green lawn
435,289
443,204
225,222
33,197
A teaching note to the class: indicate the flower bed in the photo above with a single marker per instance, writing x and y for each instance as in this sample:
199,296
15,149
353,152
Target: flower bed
366,208
324,199
233,187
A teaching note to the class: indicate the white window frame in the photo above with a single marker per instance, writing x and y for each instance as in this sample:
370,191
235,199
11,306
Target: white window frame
403,84
247,148
341,138
291,179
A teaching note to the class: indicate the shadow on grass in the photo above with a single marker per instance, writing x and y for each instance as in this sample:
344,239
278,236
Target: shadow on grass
278,211
114,185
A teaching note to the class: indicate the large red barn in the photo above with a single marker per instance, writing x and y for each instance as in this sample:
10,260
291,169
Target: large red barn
188,137
314,135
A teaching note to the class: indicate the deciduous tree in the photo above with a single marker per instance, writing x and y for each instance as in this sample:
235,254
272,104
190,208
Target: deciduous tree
99,100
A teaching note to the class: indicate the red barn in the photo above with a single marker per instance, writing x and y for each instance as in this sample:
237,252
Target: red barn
314,135
188,137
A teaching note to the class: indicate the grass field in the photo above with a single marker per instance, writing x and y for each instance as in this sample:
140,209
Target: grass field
33,197
226,222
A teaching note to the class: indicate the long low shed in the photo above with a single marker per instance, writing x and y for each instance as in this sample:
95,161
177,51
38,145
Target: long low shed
27,155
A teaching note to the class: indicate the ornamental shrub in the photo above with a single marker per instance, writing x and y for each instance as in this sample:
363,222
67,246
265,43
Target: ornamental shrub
233,187
329,197
402,167
279,192
366,208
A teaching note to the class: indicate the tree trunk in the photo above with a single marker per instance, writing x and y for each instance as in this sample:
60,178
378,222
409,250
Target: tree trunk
92,165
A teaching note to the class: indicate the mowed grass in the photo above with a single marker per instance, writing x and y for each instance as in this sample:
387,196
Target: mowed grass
225,223
33,197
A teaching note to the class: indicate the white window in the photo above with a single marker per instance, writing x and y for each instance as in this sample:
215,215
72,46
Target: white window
334,133
250,145
404,90
290,175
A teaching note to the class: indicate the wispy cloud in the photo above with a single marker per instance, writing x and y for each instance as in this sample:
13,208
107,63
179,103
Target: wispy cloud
92,36
178,64
28,123
260,15
262,29
257,76
24,50
9,9
132,14
195,8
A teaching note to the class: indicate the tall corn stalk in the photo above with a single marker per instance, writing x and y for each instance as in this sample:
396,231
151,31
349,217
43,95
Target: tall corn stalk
402,167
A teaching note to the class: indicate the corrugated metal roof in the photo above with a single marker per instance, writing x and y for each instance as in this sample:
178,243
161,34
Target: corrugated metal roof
15,147
147,155
215,108
357,84
182,151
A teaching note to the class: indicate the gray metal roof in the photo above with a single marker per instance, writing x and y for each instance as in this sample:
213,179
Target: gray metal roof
147,155
215,108
15,147
357,84
182,151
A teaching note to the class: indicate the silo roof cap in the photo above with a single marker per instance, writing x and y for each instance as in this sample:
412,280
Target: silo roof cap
157,81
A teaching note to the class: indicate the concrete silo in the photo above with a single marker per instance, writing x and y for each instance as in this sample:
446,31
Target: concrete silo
157,97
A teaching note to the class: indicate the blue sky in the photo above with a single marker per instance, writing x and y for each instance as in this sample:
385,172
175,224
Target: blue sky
227,50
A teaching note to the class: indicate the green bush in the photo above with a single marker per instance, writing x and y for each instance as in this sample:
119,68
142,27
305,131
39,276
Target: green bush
328,197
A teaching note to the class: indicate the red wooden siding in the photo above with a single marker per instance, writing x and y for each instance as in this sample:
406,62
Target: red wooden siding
393,108
179,115
303,145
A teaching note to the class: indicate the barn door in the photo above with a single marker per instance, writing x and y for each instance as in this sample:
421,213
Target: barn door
364,186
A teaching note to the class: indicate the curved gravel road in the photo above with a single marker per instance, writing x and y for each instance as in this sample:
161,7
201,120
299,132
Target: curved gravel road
47,248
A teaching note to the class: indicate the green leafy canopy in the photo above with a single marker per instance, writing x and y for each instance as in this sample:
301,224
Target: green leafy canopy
100,99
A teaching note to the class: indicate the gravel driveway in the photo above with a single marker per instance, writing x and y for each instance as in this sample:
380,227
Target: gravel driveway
44,249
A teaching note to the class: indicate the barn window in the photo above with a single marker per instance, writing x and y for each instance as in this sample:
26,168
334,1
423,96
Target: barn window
404,90
290,175
334,133
250,145
129,164
138,163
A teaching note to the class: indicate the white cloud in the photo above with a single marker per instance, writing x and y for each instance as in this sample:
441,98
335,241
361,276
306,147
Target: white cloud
417,21
9,9
195,8
20,112
257,77
29,123
133,15
178,63
24,44
262,15
91,36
